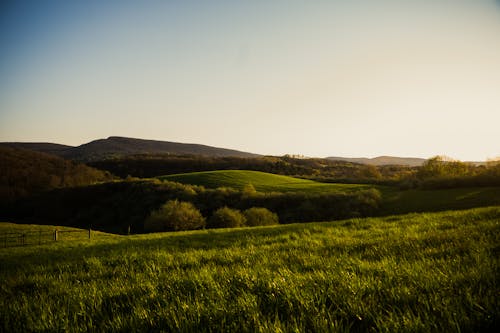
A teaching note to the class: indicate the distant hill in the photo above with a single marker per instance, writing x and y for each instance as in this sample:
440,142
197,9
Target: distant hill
115,146
24,172
382,160
42,147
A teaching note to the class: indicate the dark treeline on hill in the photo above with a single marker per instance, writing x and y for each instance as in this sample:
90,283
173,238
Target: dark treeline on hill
24,172
122,206
435,173
439,173
116,146
152,165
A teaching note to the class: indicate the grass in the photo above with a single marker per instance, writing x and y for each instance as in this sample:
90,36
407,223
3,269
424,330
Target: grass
408,273
262,181
395,201
399,202
12,234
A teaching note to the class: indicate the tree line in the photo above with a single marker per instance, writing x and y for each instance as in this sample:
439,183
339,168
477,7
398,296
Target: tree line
124,206
24,173
440,173
152,165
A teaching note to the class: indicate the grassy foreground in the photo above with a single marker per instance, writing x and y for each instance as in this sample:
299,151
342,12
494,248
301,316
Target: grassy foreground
419,272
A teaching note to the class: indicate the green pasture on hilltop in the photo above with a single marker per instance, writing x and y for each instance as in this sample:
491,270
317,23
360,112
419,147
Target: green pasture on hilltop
262,181
394,200
427,272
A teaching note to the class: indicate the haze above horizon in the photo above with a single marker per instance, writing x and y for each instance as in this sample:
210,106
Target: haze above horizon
317,78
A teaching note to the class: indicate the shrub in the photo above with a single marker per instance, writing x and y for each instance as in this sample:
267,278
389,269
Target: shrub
260,216
248,190
227,218
173,216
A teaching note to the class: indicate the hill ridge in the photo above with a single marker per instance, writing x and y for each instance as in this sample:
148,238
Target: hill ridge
382,160
123,146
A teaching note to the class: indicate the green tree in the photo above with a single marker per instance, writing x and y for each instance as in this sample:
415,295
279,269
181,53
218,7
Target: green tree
227,218
440,167
248,190
173,216
256,216
369,172
433,167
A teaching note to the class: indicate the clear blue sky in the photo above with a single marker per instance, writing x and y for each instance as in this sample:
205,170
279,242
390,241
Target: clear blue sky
318,78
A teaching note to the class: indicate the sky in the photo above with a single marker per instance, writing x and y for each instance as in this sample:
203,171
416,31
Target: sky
318,78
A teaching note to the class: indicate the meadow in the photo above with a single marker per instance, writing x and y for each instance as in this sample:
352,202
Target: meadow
262,181
394,200
428,272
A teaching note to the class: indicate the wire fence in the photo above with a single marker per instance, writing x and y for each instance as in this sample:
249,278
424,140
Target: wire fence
25,238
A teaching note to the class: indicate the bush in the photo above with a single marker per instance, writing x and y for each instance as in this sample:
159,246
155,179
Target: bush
248,190
227,218
173,216
260,216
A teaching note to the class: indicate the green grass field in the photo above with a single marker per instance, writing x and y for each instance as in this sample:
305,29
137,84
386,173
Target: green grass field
431,272
405,201
12,234
394,201
262,181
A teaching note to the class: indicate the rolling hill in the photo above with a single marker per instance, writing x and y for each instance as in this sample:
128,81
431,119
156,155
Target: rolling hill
41,147
394,200
262,181
434,272
116,146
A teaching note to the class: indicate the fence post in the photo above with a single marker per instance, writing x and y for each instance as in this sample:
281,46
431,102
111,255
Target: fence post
55,235
89,232
23,239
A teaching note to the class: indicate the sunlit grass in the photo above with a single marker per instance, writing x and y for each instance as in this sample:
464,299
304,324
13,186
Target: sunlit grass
419,272
262,181
394,200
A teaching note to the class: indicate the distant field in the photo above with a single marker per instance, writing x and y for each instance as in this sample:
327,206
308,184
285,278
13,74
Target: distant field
394,201
432,272
262,181
399,202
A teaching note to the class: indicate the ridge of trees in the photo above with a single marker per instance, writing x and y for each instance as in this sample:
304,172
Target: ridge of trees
152,165
440,172
26,172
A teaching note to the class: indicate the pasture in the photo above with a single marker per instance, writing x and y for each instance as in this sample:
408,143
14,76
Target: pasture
418,272
394,200
262,181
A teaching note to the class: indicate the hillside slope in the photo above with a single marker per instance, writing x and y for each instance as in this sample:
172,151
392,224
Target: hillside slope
262,181
41,147
413,273
24,172
116,146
